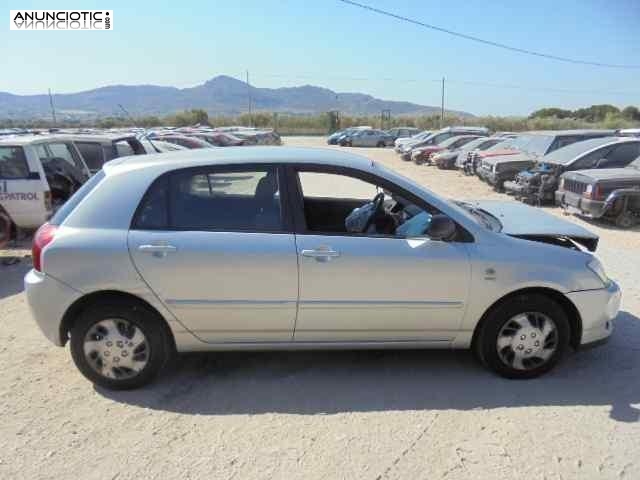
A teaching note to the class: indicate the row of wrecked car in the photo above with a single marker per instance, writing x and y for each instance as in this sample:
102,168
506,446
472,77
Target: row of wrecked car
40,170
592,173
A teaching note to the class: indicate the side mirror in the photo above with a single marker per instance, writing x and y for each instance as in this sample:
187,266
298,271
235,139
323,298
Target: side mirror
441,228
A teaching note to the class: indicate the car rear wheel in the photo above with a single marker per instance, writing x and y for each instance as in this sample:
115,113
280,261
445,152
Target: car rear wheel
626,220
5,229
523,337
380,145
119,345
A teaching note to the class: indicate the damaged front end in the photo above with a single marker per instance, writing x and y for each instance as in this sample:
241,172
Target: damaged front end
536,186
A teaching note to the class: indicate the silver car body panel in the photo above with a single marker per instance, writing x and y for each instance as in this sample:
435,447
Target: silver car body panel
234,291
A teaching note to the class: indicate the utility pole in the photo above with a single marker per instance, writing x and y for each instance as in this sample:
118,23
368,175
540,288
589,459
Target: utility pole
53,109
249,97
442,106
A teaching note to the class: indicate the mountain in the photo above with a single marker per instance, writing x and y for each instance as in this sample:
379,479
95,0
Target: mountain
222,95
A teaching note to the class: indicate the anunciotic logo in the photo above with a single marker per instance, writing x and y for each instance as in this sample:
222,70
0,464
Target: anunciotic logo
61,19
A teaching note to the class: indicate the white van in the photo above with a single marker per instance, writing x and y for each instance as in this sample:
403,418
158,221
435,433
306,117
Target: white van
37,174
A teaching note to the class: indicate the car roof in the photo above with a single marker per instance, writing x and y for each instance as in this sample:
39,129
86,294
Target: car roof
569,153
584,131
30,139
238,156
97,137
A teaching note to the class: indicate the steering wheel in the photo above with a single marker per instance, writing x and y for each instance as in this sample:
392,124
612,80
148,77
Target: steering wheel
378,208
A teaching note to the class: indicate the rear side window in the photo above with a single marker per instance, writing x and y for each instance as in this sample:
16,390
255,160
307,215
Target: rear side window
92,154
13,163
70,205
66,152
234,200
622,155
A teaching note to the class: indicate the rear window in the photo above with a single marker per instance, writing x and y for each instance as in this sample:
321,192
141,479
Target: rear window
13,163
70,205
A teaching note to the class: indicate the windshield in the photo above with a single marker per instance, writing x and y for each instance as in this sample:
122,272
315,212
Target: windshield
635,164
565,154
538,144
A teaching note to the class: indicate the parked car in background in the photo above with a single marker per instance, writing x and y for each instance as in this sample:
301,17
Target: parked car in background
499,169
219,139
96,149
256,221
611,194
370,138
454,158
402,141
538,184
335,137
509,147
183,140
439,136
158,146
628,132
423,155
37,175
402,132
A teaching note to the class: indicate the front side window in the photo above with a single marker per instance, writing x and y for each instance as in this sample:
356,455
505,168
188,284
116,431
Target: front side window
13,163
92,154
207,199
344,204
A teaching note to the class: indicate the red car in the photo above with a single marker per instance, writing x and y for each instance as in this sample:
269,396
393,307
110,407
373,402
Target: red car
423,154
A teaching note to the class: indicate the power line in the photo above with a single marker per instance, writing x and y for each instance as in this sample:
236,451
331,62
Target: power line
450,81
487,42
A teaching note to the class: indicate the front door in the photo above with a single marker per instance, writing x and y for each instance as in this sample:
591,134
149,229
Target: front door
219,256
388,283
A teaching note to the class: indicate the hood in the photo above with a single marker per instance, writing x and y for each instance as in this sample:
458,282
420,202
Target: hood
522,221
605,174
511,157
496,153
427,148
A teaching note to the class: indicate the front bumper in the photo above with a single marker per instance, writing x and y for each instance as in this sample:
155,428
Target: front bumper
597,309
48,300
515,188
576,203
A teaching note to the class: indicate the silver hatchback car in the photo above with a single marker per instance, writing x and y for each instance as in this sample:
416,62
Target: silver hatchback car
282,248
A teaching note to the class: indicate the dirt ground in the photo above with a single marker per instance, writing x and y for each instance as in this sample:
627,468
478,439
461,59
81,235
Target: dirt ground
370,415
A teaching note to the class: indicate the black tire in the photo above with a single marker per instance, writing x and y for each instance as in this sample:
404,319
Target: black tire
5,229
381,145
625,220
158,338
485,343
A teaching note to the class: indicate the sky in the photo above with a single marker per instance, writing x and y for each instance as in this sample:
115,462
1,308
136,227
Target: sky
330,44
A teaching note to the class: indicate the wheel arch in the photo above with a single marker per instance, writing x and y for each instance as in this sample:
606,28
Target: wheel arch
76,308
573,315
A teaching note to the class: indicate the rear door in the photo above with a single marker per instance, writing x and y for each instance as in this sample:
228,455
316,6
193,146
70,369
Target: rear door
23,187
216,247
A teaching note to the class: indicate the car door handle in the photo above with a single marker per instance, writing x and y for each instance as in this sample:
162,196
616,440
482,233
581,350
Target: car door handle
158,250
320,254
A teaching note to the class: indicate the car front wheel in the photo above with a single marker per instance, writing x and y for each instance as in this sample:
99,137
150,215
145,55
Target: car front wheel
523,337
119,346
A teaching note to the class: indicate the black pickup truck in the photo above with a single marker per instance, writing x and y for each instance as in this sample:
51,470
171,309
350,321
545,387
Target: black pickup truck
612,194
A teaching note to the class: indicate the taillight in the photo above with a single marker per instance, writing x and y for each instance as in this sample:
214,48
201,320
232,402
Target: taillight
48,203
41,239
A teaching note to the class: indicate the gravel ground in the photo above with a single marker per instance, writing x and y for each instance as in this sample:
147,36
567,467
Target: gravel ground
372,415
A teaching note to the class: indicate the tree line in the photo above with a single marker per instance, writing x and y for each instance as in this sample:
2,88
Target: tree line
595,116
